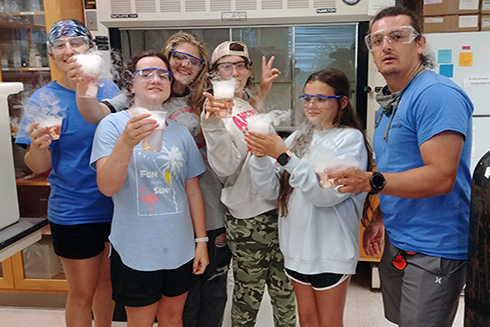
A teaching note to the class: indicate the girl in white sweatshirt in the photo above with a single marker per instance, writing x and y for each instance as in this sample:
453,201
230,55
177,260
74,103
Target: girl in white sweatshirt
251,224
319,227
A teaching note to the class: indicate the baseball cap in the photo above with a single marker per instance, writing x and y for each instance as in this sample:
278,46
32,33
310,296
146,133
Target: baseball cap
225,49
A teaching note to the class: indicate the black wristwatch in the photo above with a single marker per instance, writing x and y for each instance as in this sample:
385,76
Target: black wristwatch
377,182
284,158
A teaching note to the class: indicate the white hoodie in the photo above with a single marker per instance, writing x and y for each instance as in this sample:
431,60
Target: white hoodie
228,157
320,234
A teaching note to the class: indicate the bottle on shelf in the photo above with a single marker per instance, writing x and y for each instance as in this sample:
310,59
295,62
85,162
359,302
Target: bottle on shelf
5,60
17,58
32,58
38,61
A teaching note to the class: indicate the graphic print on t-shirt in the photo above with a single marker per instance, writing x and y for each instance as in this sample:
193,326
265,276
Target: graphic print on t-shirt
240,119
155,188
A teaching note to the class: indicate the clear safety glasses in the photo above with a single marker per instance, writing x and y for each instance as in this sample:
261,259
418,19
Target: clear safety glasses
317,99
75,42
148,74
396,35
227,67
184,58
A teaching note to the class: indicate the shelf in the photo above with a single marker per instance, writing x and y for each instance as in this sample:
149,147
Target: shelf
24,19
46,230
25,69
36,181
22,13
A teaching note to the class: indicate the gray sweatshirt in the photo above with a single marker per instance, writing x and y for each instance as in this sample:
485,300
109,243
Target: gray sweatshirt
228,157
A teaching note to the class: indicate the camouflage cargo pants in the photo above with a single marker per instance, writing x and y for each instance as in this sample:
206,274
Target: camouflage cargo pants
257,261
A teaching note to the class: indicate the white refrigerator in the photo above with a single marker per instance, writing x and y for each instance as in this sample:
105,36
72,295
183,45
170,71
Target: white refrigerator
9,208
465,59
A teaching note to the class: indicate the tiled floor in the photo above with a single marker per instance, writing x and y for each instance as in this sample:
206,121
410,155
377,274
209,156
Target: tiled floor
363,308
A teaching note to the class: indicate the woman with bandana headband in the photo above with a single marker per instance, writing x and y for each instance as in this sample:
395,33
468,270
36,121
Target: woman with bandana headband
79,215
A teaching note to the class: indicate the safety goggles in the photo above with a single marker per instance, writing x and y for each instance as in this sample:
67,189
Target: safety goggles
147,74
184,58
399,261
317,99
75,42
396,35
227,67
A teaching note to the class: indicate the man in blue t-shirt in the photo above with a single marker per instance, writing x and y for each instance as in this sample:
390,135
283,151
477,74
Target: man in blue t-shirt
422,142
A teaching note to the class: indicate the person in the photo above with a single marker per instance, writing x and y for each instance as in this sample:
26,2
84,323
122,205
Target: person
422,143
318,226
189,62
79,215
251,221
156,197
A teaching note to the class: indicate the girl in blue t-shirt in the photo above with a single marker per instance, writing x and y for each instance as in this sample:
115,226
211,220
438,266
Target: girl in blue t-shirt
79,214
158,233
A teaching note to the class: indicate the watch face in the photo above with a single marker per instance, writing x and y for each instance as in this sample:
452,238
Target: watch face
283,159
378,181
351,2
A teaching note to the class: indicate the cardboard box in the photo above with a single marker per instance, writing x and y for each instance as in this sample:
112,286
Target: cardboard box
485,23
452,23
485,7
450,7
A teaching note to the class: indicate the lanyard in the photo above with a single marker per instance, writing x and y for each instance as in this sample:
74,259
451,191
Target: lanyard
389,102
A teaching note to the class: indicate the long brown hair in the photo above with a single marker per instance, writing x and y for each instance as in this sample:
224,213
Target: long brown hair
346,117
199,83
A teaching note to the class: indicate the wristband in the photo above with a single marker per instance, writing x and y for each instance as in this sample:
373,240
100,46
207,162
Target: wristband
201,239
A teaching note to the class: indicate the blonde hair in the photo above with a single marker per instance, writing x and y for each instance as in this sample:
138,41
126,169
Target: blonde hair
200,82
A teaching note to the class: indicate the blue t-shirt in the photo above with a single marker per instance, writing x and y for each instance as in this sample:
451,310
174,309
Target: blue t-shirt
436,226
152,227
75,197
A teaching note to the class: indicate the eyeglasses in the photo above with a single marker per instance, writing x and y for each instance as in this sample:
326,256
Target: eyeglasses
184,58
399,261
396,35
317,99
227,67
75,42
149,74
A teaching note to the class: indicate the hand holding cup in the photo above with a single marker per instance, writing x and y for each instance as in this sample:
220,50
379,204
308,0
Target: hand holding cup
88,81
153,141
224,91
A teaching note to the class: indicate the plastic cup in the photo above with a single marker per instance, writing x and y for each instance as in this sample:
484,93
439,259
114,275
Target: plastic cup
258,124
325,182
52,126
224,92
88,83
153,143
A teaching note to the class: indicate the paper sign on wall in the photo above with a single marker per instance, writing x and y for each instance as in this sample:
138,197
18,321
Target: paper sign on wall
468,4
374,6
466,59
445,56
476,81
